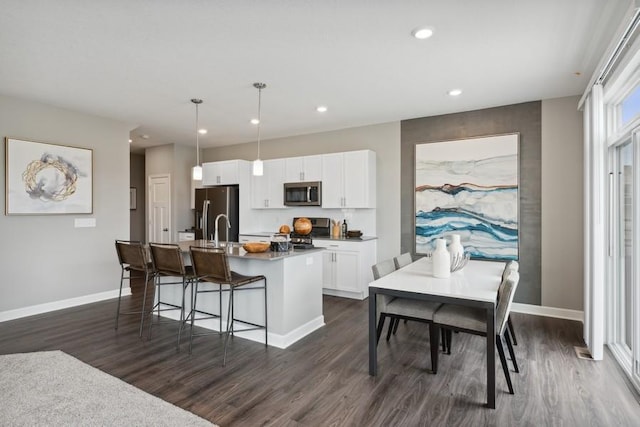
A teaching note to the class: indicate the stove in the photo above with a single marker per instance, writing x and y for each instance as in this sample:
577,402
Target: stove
320,227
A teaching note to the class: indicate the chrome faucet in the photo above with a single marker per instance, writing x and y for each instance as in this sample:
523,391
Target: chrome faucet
216,242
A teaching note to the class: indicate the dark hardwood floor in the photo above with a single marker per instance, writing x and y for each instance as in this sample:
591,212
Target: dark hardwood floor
323,379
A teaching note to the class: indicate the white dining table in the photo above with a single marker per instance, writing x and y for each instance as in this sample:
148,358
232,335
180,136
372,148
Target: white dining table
476,285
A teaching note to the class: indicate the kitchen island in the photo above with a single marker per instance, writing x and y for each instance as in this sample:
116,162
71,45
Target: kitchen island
294,293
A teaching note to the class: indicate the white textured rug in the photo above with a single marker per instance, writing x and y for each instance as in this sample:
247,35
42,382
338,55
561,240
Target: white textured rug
51,388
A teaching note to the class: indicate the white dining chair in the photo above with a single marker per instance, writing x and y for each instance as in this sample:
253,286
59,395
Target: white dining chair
473,320
511,266
399,308
403,260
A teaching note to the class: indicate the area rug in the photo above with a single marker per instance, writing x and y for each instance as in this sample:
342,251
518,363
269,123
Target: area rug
51,388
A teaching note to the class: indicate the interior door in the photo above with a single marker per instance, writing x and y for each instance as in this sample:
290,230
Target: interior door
159,208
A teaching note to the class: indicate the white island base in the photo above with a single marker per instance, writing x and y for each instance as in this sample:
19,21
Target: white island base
294,295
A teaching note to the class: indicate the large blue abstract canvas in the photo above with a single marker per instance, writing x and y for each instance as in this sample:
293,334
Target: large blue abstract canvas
468,187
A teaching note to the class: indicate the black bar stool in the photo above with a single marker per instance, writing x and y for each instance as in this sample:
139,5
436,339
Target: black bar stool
133,262
167,261
212,265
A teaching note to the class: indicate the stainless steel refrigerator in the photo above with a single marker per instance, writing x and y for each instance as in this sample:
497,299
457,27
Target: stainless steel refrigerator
212,201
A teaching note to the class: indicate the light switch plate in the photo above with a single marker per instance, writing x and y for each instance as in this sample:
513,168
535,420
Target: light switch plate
84,222
309,260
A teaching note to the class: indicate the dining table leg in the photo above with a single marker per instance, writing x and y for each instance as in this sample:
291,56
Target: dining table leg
373,348
491,356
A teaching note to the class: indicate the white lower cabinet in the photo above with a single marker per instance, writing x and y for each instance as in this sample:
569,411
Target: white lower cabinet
346,267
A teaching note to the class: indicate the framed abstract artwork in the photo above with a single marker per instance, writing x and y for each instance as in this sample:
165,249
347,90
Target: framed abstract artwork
47,178
468,187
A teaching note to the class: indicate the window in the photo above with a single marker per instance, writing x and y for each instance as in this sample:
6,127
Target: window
630,106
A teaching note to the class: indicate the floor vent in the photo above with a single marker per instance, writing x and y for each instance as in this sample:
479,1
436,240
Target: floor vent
583,353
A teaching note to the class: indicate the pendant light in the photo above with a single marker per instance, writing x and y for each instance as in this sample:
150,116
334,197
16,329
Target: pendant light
257,163
196,172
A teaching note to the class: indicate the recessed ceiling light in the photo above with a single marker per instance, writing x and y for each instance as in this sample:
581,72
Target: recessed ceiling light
144,136
455,92
130,140
321,109
422,33
202,131
255,121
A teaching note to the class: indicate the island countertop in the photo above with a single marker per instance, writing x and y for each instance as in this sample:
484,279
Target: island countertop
235,250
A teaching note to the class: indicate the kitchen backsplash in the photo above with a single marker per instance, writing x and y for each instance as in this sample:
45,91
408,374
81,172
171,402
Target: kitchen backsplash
271,219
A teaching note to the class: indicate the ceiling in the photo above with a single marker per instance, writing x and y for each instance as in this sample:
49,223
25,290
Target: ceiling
142,61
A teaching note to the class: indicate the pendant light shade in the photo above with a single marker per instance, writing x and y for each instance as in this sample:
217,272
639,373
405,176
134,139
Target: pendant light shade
257,163
196,171
258,170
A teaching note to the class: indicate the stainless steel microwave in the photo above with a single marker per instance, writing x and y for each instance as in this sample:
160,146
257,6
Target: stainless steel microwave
303,193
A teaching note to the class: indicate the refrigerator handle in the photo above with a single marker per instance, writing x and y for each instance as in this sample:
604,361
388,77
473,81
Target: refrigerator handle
205,219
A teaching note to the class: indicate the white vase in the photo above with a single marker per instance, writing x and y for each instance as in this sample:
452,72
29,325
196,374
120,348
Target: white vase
441,260
455,247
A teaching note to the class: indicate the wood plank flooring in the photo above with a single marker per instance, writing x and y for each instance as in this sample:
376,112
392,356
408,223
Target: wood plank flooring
323,379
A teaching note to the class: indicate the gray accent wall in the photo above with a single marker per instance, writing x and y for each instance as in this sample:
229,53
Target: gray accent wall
44,257
524,119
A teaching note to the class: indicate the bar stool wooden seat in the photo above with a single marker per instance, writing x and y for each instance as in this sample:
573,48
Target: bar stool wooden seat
168,263
212,265
135,265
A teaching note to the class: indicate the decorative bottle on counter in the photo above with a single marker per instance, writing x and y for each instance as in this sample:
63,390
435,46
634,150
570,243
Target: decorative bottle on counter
441,260
344,228
456,250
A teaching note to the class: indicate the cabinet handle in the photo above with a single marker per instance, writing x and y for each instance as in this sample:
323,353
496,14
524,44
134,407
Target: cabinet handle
218,179
301,176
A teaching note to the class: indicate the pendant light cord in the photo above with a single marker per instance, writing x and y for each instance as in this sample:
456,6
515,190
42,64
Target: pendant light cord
197,139
259,117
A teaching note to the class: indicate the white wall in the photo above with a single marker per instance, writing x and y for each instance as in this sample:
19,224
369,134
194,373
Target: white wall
562,240
44,258
384,139
562,204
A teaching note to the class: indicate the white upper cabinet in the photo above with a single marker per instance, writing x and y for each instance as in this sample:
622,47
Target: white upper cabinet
226,172
267,191
303,169
349,179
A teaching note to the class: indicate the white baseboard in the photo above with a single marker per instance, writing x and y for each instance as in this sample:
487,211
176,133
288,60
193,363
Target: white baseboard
275,340
59,305
538,310
344,294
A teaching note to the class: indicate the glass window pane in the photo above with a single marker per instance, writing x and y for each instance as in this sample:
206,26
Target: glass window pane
631,106
625,170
